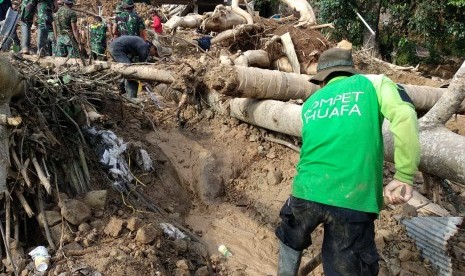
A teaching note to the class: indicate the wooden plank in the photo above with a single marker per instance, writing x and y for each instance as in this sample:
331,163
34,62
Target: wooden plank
424,205
290,52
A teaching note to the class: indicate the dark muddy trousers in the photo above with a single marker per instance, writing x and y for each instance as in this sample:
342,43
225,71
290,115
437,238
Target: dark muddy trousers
348,244
130,86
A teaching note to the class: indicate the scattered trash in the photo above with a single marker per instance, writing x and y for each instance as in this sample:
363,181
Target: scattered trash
172,231
224,250
41,258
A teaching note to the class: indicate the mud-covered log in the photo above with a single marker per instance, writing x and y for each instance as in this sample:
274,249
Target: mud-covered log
236,9
442,151
134,71
245,82
189,21
238,81
256,58
270,114
307,16
235,32
221,19
11,84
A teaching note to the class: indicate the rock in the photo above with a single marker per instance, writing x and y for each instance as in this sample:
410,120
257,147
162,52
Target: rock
405,255
120,213
180,245
98,214
147,234
134,223
203,271
97,224
274,177
53,218
182,268
75,211
416,268
385,234
71,246
207,113
55,232
96,199
407,273
24,272
395,270
84,227
114,227
181,272
271,154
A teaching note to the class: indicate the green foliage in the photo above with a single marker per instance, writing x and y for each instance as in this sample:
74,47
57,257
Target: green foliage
341,14
458,3
406,52
437,25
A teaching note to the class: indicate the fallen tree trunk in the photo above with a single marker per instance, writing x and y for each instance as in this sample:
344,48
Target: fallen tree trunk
242,82
11,84
236,9
239,81
256,58
307,16
234,32
442,151
222,18
189,21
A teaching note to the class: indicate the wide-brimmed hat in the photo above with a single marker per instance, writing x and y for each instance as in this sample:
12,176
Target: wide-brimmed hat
161,50
334,60
128,4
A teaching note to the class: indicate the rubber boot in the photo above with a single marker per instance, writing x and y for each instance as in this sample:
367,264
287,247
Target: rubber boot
42,44
289,260
25,37
131,87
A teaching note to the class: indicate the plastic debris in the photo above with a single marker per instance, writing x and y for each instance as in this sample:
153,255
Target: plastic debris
224,251
172,231
41,258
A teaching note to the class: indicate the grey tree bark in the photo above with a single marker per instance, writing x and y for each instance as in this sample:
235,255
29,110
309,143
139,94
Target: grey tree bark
11,84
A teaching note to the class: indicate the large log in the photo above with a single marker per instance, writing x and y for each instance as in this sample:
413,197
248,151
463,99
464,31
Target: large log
442,151
243,82
307,16
11,84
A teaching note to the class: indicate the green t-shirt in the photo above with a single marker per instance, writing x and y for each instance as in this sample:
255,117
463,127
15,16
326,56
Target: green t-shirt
341,160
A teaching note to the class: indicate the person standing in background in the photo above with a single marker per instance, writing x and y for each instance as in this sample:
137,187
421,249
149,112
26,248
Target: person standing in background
45,9
156,22
68,38
129,22
28,9
98,38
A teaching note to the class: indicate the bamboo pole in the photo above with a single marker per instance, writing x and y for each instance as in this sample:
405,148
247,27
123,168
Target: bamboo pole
40,174
22,167
24,203
44,219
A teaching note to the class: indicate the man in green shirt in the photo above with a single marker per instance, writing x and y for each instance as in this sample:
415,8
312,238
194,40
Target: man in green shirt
339,180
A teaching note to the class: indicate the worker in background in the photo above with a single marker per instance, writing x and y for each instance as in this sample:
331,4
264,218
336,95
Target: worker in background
156,22
125,48
98,38
4,6
45,9
339,180
128,22
68,38
28,9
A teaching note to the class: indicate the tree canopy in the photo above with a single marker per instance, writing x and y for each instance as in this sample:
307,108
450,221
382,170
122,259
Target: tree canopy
402,26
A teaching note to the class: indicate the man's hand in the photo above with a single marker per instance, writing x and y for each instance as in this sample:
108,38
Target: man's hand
392,192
